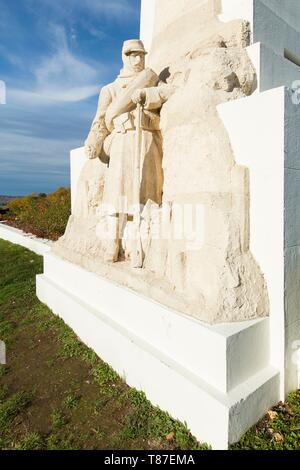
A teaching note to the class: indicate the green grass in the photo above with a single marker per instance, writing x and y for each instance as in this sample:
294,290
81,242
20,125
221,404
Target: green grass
3,393
150,422
103,374
42,214
31,441
11,407
71,402
79,402
3,370
58,419
278,430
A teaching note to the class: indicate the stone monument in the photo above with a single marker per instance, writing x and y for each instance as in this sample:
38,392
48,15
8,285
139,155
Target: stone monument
182,250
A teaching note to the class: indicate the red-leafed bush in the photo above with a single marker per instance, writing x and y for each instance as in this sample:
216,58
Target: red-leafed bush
43,215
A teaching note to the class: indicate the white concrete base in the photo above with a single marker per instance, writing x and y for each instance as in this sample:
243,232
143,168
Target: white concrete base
215,378
39,246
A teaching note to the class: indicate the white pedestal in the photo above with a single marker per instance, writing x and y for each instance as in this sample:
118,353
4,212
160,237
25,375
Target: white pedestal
216,378
219,379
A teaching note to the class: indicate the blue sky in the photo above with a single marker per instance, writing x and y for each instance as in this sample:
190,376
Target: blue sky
54,57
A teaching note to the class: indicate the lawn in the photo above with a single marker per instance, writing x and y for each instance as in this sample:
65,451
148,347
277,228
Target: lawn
55,393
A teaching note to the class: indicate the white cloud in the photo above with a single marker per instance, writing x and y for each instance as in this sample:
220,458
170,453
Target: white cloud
63,67
54,158
46,97
31,163
60,77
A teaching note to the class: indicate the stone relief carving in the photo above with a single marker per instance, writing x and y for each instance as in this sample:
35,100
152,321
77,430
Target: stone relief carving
191,234
123,134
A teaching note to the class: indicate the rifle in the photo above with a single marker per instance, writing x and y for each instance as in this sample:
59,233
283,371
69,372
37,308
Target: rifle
137,250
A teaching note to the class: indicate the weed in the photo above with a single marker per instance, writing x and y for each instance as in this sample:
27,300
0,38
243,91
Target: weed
3,392
31,441
55,442
50,363
70,346
100,403
71,402
3,370
58,419
7,329
10,408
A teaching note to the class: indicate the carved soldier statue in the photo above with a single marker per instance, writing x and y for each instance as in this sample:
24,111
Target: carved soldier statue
113,135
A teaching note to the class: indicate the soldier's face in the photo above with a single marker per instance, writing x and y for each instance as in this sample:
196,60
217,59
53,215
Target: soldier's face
137,61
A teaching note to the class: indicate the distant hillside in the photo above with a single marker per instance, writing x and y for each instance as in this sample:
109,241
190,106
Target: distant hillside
5,199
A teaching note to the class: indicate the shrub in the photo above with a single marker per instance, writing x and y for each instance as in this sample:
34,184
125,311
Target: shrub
43,215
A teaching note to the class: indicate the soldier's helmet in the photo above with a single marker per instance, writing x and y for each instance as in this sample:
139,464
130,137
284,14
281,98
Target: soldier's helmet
133,45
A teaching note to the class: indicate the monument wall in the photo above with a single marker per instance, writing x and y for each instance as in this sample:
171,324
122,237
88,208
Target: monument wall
273,198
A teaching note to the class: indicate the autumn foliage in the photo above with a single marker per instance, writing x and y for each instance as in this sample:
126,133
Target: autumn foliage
43,215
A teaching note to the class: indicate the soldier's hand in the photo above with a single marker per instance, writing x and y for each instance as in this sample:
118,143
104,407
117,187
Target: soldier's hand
139,96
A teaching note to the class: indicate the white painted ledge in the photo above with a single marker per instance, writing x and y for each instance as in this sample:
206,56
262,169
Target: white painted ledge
201,374
39,246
